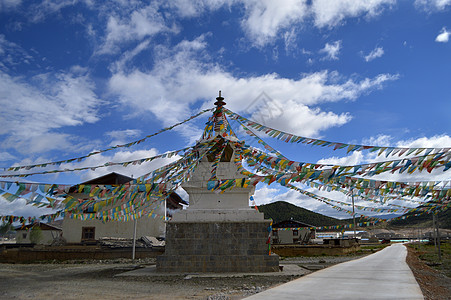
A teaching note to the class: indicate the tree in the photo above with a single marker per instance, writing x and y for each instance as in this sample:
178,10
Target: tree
4,228
36,235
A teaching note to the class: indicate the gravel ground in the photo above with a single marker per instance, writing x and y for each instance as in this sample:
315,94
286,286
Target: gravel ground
95,280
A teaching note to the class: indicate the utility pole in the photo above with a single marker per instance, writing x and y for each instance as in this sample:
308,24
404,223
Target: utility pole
419,232
134,235
165,214
134,238
434,231
438,241
353,213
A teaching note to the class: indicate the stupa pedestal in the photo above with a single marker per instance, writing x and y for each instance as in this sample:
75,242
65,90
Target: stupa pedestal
218,232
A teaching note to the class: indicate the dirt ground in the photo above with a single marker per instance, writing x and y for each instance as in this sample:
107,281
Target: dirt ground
433,284
95,280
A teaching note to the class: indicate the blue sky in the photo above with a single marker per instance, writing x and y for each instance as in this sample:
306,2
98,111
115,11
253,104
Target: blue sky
78,76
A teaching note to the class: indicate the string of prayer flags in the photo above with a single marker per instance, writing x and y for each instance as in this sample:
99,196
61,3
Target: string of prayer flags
78,159
338,187
330,227
415,163
217,125
269,237
292,138
253,203
302,172
121,192
259,140
143,195
107,164
325,175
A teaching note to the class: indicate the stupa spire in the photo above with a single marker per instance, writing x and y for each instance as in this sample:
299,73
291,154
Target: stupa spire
219,100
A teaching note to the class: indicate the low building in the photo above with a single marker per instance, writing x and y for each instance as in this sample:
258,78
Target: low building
321,236
292,232
88,231
360,234
38,233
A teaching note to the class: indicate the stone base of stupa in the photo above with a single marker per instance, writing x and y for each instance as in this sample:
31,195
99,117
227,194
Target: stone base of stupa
217,246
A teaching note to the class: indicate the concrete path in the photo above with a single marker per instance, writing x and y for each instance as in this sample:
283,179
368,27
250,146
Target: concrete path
382,275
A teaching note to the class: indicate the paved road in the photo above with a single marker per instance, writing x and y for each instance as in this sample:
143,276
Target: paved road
382,275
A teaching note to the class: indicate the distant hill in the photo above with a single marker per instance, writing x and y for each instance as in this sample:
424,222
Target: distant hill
281,210
444,219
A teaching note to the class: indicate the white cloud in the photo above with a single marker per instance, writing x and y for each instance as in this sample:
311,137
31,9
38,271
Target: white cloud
354,159
12,54
5,156
436,141
435,175
19,207
331,13
40,11
379,140
265,194
290,38
134,171
9,4
377,52
300,119
120,137
264,19
32,110
183,77
443,37
127,56
432,5
194,8
331,50
141,23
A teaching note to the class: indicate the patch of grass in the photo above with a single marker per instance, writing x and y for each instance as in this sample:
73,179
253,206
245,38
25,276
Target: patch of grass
364,249
374,247
428,253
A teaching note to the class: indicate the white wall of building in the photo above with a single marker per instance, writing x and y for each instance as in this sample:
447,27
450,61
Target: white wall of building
72,228
23,236
289,236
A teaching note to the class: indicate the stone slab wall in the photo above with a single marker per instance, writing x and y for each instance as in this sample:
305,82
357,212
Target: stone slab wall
217,247
30,255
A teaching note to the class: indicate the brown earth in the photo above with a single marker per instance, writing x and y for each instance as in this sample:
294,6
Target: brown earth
95,280
433,284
